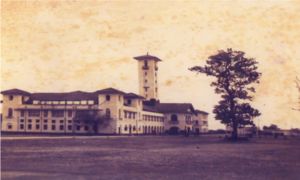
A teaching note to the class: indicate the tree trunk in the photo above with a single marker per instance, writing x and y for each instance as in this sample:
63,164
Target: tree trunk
234,135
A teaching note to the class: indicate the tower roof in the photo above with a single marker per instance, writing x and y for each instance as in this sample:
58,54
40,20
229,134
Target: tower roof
147,57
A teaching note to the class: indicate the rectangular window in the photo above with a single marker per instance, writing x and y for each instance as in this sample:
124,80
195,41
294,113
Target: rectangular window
78,128
11,97
45,127
45,121
61,121
29,120
70,127
21,126
129,102
145,64
58,113
34,113
86,128
61,127
22,113
53,127
53,121
37,121
37,126
107,97
21,120
10,112
9,126
45,113
29,126
70,121
69,113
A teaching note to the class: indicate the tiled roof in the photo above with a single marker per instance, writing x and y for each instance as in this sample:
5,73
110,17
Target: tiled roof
65,96
133,96
175,107
149,108
15,92
147,57
156,106
110,91
197,111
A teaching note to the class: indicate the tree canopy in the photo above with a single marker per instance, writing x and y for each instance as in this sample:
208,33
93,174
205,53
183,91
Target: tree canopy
92,118
235,75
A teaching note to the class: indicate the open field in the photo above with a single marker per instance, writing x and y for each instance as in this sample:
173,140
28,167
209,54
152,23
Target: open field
149,158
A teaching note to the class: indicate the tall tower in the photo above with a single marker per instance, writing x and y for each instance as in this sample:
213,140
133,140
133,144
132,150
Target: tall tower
148,68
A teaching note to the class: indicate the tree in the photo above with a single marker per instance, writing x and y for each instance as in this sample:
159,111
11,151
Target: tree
297,81
92,118
234,75
272,127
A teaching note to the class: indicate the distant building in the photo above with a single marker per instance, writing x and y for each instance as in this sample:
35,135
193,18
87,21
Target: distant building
200,122
129,113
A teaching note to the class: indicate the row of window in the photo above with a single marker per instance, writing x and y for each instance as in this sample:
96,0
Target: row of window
45,121
129,115
84,102
53,127
153,118
45,113
145,129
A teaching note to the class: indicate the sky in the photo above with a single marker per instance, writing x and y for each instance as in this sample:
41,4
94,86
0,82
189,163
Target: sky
61,46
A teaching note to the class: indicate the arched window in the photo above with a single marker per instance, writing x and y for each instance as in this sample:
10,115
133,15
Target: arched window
125,128
107,97
174,117
107,113
10,112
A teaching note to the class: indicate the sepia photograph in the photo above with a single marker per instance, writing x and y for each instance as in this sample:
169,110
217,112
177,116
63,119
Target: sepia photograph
150,89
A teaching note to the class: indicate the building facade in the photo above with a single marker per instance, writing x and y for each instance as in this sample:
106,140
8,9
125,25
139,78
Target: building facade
106,111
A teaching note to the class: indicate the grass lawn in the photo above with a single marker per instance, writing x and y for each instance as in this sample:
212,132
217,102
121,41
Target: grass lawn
149,158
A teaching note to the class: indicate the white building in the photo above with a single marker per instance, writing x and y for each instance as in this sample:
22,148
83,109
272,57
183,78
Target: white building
120,112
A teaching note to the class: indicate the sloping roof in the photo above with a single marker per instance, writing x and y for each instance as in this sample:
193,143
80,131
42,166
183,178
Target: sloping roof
156,106
69,96
197,111
175,107
147,57
133,96
15,92
149,108
110,91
